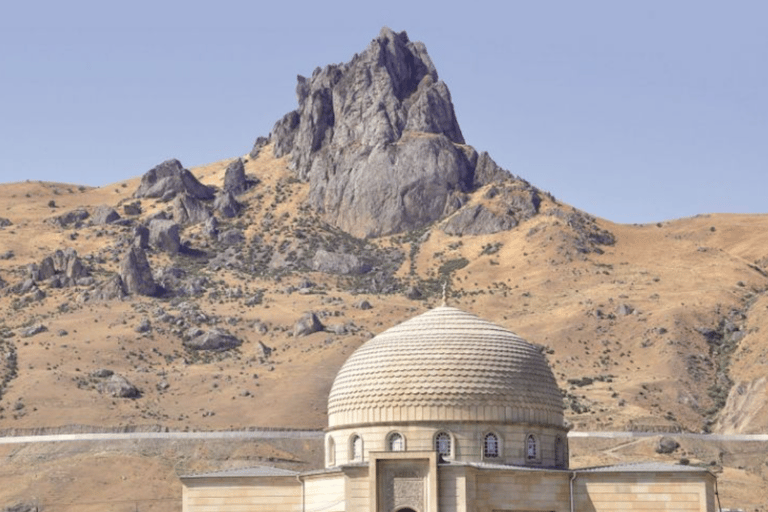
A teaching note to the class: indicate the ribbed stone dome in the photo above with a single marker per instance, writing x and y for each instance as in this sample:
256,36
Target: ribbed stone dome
445,365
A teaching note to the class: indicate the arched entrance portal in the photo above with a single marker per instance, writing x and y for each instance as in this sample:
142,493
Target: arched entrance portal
406,509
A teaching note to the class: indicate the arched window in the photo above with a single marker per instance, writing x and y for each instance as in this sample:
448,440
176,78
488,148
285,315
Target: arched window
559,452
330,452
396,442
443,444
531,448
356,448
490,446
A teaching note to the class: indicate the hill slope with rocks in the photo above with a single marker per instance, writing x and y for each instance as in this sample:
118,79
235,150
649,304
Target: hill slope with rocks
227,296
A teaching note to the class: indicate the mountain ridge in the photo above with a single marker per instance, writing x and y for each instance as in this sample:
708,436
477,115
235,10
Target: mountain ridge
646,326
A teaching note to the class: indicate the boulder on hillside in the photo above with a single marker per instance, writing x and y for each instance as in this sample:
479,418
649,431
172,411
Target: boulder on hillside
215,339
118,387
169,179
32,330
141,236
164,235
338,263
136,273
235,180
226,205
263,350
190,210
22,507
110,289
104,214
309,323
667,445
133,208
232,236
211,227
5,222
378,141
362,304
71,218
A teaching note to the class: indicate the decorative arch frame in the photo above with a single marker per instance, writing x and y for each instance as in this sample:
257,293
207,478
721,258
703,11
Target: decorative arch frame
444,444
491,446
395,442
532,449
330,451
356,448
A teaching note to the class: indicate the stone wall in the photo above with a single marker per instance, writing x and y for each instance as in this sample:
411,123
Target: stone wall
257,494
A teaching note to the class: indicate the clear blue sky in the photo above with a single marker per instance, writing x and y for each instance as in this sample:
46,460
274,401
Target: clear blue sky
633,111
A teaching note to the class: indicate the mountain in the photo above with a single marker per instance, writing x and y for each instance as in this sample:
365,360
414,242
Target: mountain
227,296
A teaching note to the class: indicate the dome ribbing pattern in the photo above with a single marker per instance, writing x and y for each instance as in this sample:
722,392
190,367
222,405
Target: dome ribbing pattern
445,365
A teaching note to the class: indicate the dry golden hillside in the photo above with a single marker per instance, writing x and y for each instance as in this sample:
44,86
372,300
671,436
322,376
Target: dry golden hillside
659,331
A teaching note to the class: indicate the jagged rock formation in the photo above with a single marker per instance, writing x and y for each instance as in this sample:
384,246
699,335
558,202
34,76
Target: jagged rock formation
235,181
226,205
136,273
378,140
309,323
189,210
508,205
63,268
168,179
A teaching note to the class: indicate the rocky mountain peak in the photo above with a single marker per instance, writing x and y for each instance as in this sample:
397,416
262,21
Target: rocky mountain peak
378,141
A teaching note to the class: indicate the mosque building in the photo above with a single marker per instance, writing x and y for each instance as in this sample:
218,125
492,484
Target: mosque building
447,412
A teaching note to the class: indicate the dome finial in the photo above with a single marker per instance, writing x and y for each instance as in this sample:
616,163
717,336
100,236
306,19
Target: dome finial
444,285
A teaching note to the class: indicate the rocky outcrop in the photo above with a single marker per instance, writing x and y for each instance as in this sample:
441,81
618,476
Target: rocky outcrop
667,445
104,215
235,180
22,507
5,222
110,289
215,339
164,236
338,263
133,208
136,273
378,141
190,210
226,205
588,236
168,179
508,205
119,387
478,220
62,268
307,324
71,218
